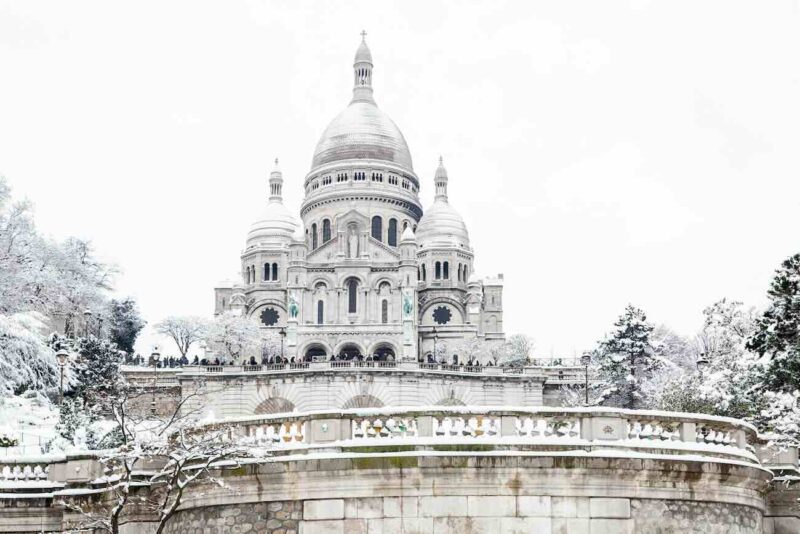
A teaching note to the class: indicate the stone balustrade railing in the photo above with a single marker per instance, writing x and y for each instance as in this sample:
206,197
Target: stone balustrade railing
552,375
550,429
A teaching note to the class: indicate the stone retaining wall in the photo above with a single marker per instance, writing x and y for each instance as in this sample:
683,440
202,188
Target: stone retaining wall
458,514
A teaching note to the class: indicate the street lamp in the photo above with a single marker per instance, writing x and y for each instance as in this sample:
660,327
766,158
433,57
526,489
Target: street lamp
586,359
87,316
702,363
155,357
62,357
283,335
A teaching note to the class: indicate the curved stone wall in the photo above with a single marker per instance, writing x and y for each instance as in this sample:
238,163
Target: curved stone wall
481,492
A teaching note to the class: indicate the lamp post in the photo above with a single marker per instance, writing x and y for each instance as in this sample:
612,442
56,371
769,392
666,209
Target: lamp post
283,335
62,357
586,359
87,317
154,359
702,363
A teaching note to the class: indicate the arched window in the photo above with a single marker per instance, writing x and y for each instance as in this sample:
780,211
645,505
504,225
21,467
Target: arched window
377,228
320,312
326,231
446,270
274,271
392,237
466,274
313,236
384,311
437,270
266,272
352,295
424,273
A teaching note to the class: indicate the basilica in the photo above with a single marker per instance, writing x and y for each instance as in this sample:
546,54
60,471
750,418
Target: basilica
368,272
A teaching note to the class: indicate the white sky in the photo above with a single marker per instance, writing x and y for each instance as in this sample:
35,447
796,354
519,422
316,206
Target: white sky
600,152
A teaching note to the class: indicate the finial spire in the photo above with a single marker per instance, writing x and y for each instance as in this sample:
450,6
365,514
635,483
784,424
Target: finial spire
276,184
440,180
362,70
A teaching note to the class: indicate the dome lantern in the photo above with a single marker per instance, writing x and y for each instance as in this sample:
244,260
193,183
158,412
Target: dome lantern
276,184
440,181
362,72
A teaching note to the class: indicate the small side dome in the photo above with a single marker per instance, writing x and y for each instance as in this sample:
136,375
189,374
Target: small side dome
275,220
441,225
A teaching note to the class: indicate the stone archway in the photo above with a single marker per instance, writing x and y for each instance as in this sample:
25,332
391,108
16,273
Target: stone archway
274,405
316,351
348,350
384,351
363,401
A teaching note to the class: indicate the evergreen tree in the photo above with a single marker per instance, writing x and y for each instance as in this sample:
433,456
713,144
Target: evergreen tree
96,371
777,333
126,323
625,359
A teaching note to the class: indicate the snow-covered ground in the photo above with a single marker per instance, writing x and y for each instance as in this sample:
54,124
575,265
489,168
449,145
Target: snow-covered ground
31,420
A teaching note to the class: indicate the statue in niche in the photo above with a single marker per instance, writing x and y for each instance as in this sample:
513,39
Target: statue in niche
352,243
294,306
408,306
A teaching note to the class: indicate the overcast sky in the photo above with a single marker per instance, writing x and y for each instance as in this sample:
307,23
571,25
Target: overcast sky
600,152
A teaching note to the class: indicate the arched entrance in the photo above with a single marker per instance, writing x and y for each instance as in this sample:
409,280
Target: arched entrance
348,351
315,352
382,352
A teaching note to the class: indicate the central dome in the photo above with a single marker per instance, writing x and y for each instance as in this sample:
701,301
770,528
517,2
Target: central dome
362,131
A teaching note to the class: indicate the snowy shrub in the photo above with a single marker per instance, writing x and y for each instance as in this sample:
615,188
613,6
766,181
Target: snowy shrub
26,362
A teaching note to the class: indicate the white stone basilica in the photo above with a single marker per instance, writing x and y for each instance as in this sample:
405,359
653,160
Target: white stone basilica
368,272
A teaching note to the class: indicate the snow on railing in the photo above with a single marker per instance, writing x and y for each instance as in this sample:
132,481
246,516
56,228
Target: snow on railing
551,429
555,375
22,470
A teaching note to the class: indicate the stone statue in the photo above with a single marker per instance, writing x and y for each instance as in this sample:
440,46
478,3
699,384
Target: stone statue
408,306
294,307
352,244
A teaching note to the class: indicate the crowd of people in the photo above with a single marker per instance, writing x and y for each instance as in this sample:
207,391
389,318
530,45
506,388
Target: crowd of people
172,361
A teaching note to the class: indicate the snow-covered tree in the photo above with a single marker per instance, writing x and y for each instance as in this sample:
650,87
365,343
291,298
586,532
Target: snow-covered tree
185,331
57,279
26,362
468,349
777,334
235,336
625,359
125,323
518,350
171,446
271,344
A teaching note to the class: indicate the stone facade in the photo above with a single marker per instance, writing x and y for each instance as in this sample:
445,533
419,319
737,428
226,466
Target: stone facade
277,517
472,515
491,494
367,272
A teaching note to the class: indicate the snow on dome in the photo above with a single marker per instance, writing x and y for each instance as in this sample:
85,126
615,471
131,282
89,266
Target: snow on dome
441,225
275,220
362,131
